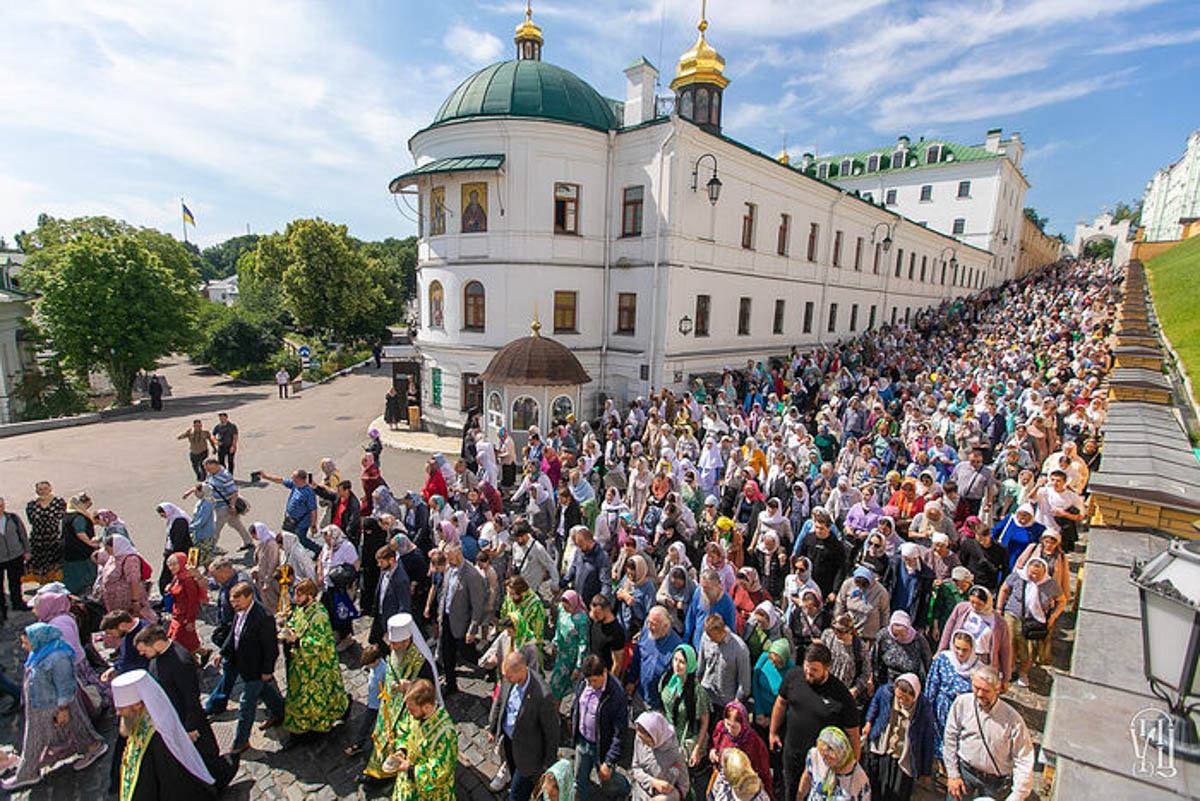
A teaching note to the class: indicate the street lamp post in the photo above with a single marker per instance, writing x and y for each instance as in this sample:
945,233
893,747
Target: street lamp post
713,187
1169,595
887,239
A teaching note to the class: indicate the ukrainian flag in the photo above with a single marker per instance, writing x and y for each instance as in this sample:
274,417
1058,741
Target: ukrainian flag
187,214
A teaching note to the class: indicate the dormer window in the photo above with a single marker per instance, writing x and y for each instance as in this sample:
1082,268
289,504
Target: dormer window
933,154
898,159
873,164
845,168
823,171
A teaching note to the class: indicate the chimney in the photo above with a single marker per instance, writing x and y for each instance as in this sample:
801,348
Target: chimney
902,143
992,145
640,80
806,161
1014,148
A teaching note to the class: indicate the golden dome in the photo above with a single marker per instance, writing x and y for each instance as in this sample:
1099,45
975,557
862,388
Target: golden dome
701,64
527,31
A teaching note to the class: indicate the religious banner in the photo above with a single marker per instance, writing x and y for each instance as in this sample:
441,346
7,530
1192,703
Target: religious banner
474,208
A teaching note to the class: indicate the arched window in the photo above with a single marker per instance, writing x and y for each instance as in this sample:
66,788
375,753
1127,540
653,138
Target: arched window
524,413
715,115
473,306
701,105
436,303
561,407
685,103
495,411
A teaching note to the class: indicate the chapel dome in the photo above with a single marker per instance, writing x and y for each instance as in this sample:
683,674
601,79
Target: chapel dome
535,361
528,88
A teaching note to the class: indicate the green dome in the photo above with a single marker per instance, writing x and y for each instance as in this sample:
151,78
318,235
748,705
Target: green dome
528,88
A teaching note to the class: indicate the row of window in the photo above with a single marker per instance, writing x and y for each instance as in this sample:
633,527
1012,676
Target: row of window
566,304
889,195
704,306
902,157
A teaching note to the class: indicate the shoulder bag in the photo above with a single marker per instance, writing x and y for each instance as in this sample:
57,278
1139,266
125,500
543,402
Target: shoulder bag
997,785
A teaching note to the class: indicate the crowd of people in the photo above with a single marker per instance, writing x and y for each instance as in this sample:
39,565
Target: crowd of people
811,578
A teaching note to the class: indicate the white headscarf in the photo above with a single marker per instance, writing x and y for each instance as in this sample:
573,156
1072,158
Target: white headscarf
173,513
298,557
262,533
401,626
138,685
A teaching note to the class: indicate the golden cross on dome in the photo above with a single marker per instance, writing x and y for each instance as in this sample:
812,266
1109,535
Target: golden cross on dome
703,26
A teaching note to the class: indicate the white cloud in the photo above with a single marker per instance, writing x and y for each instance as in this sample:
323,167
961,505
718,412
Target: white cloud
476,47
1149,41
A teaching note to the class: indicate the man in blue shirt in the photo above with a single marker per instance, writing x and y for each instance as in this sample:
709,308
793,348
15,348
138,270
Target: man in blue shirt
524,718
225,495
300,513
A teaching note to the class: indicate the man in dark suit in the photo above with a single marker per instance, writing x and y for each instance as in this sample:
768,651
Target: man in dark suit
524,712
599,717
393,595
173,667
460,609
252,648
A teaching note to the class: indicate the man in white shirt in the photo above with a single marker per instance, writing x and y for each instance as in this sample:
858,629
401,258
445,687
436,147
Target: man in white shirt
987,748
1056,500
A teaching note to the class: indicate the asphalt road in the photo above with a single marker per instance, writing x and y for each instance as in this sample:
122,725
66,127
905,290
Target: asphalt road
131,464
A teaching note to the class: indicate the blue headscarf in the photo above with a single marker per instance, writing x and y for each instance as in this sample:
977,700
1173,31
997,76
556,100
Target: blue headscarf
44,640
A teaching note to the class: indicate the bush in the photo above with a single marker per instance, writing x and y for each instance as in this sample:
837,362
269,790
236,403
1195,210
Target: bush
49,392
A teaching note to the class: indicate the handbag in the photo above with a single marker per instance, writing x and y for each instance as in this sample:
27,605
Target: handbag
344,610
1033,629
998,785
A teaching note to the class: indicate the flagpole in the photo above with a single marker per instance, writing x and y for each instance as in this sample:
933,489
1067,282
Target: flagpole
183,219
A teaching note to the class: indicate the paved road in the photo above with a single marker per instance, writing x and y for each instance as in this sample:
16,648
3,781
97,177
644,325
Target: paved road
131,464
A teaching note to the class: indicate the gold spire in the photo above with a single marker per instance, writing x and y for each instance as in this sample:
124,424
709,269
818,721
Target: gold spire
701,64
535,328
784,157
527,31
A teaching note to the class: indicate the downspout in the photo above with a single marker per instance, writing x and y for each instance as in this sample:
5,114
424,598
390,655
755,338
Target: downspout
608,204
662,159
823,325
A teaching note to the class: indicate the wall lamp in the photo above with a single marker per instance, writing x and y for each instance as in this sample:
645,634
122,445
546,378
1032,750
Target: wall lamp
887,239
713,187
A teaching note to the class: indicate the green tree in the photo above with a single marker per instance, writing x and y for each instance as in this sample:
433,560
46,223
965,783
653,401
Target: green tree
1099,248
111,303
220,260
1032,215
399,258
329,284
1129,211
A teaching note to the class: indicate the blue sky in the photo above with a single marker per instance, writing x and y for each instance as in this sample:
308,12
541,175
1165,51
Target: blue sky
261,111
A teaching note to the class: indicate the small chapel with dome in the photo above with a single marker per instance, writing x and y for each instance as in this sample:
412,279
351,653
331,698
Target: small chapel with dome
658,247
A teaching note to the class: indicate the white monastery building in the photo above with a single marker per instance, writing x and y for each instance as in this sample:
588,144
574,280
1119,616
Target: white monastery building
1173,195
650,244
975,193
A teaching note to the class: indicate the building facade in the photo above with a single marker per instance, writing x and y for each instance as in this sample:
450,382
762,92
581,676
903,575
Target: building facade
1172,196
653,246
1037,248
974,193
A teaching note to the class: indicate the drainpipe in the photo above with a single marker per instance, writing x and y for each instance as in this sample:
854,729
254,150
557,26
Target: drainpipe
608,205
823,325
658,213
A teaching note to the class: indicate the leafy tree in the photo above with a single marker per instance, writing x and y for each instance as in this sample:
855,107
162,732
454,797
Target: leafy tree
1129,211
111,303
1032,215
220,261
1099,249
399,257
241,341
329,284
46,242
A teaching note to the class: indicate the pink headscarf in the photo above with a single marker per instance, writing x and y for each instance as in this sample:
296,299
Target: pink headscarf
572,602
55,608
901,618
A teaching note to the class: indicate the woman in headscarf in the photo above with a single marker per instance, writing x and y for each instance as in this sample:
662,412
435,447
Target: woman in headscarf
79,545
899,737
676,593
770,558
524,608
56,727
370,479
978,617
186,597
293,554
121,584
763,626
384,503
570,643
949,677
832,772
808,618
1017,532
266,565
906,500
769,670
45,513
557,783
336,552
203,528
316,699
734,731
635,595
111,523
54,607
716,558
747,594
179,539
874,553
659,771
435,482
746,511
851,658
1049,550
1032,601
737,780
899,649
686,706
